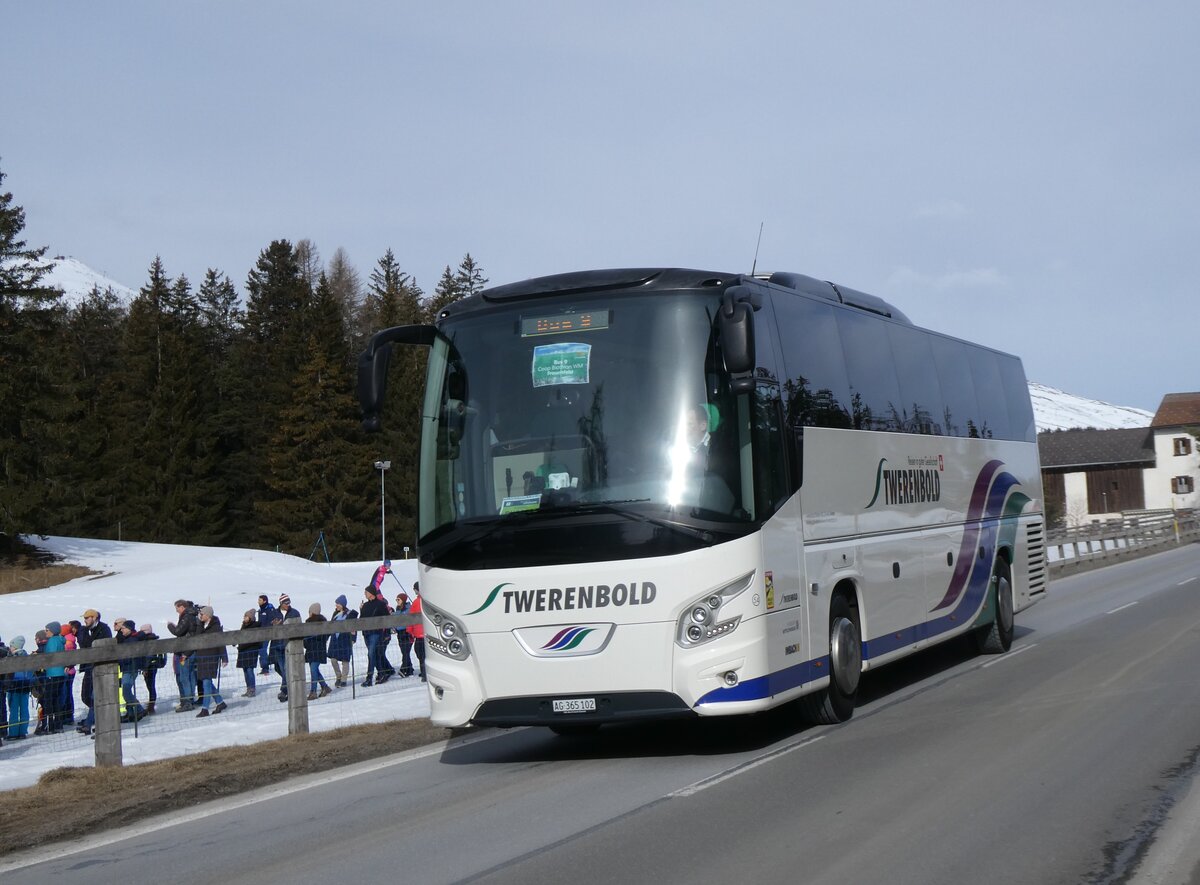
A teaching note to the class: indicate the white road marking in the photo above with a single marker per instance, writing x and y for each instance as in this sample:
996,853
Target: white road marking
1188,581
725,775
1009,656
34,856
1122,608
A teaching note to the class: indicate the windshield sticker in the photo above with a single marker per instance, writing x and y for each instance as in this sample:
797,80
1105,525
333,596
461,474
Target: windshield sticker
561,364
520,503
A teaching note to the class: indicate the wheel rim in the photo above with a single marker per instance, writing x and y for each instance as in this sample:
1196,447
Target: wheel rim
845,655
1004,604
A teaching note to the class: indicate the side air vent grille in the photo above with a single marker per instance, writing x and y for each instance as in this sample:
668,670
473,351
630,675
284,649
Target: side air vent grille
1035,539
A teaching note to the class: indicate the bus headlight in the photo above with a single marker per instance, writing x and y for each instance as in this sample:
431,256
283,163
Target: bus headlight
701,620
444,634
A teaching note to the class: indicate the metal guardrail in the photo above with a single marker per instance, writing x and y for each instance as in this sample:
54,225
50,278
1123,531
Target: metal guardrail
1134,534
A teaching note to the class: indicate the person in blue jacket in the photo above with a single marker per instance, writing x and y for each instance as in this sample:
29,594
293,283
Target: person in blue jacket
19,687
52,701
266,617
341,645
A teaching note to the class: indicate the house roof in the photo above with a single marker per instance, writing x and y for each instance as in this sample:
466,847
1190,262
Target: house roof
1086,448
1177,409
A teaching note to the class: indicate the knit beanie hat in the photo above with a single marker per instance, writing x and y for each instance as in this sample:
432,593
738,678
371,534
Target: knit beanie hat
370,591
284,599
64,629
207,610
341,600
315,608
54,628
127,624
17,643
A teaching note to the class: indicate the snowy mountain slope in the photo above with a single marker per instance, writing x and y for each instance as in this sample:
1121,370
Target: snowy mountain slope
1055,410
76,280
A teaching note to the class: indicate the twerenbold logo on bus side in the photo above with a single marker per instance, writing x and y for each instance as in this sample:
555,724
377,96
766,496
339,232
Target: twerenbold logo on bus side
554,599
918,483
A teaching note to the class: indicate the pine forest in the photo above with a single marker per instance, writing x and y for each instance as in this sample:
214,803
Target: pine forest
200,415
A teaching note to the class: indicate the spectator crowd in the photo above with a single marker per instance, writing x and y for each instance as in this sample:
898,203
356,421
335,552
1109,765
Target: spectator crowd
41,700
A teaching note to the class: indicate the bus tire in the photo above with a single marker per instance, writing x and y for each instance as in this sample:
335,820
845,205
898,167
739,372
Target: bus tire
835,703
996,638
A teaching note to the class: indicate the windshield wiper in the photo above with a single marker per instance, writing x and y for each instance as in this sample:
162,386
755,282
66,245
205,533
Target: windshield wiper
614,507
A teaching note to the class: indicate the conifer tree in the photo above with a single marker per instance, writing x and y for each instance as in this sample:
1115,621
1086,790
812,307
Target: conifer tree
394,299
314,480
84,498
30,319
469,277
136,460
346,287
270,352
447,291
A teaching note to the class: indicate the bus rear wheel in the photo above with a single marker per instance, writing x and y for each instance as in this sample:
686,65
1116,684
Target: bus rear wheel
835,703
996,638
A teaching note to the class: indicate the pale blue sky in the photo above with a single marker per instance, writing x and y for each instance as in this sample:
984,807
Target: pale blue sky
1022,174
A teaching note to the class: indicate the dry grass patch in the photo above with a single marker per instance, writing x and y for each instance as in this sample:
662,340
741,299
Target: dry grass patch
89,800
30,573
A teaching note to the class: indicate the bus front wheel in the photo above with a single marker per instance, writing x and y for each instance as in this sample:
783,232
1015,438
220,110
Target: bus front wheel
996,638
835,703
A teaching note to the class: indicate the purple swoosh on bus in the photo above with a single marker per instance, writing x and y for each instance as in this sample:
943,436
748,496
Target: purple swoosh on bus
966,554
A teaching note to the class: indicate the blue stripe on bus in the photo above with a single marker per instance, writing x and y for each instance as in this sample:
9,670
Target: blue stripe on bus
998,519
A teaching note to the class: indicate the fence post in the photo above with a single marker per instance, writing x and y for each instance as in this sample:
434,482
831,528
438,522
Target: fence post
108,719
297,696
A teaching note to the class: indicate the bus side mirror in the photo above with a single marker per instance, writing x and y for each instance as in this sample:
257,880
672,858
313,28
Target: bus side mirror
373,368
735,326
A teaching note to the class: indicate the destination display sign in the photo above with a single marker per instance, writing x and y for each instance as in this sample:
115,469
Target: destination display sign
559,323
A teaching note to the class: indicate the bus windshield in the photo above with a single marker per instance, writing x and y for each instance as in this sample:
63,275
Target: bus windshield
609,404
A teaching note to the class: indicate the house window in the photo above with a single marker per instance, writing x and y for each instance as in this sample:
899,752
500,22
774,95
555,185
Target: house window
1182,485
1183,445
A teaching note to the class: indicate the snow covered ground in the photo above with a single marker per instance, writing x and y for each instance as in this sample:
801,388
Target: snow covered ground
141,582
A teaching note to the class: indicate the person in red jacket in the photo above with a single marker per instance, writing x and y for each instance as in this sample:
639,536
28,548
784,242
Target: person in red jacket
417,630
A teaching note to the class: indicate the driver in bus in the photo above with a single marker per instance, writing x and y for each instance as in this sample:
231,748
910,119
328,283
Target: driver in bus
696,424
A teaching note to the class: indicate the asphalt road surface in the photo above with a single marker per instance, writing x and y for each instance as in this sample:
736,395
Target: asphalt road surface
1070,759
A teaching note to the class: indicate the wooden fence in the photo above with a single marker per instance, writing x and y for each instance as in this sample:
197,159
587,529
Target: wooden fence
106,654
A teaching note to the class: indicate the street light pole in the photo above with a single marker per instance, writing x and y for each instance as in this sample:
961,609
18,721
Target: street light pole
382,467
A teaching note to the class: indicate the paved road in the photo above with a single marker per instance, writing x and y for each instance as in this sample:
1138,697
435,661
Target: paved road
1071,759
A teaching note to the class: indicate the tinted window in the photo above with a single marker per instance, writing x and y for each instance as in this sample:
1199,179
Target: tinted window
816,391
875,402
989,390
920,391
1016,390
960,408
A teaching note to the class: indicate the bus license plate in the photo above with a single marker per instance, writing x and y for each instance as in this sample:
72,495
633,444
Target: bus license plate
575,705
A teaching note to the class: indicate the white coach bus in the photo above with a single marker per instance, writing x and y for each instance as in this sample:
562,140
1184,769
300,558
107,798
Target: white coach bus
661,492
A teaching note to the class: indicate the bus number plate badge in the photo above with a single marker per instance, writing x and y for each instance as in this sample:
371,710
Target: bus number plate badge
574,705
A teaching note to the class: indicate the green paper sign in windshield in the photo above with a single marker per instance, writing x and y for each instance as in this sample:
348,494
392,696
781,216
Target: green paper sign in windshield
561,364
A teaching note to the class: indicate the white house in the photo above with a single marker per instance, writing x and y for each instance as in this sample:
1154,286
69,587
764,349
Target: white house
1102,474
